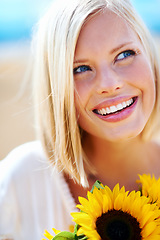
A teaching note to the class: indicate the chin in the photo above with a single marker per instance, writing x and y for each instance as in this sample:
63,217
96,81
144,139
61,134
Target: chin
119,136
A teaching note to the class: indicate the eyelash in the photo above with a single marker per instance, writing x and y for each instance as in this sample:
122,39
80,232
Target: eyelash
75,70
131,53
88,68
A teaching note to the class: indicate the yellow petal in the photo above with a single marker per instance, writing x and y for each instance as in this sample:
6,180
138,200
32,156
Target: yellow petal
56,231
148,229
48,235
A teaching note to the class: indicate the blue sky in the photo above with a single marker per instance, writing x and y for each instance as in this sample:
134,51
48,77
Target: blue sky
17,17
150,12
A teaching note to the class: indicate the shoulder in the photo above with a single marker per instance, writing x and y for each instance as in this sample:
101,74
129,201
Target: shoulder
23,158
28,148
26,167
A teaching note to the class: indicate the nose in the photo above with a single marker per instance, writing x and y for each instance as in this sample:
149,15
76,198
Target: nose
108,81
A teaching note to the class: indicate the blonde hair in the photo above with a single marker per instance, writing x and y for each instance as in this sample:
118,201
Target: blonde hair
56,40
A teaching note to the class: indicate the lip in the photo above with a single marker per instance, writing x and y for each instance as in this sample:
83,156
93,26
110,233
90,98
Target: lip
111,102
120,115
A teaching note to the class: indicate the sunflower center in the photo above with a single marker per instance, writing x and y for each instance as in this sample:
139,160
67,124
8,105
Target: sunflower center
118,225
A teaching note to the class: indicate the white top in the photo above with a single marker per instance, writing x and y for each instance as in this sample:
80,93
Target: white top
33,195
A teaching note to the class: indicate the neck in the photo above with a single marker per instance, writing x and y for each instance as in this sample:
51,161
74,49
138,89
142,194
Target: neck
116,161
111,151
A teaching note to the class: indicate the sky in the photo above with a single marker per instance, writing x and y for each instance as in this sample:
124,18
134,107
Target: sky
17,17
150,12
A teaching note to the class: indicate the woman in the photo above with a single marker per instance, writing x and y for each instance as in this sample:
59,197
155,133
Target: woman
96,88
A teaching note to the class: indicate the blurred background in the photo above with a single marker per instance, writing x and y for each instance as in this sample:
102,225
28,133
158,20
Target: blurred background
17,20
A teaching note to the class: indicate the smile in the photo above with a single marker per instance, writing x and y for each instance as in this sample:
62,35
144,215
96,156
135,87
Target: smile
115,108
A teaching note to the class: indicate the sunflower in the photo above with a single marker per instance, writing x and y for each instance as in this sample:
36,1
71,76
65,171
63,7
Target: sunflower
64,235
117,215
150,188
48,235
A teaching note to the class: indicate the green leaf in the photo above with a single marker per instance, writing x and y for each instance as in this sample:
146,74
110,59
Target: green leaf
82,237
98,185
64,236
76,228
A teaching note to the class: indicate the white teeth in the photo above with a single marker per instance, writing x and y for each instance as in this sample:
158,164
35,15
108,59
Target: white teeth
124,104
119,106
108,110
100,112
113,109
127,103
104,111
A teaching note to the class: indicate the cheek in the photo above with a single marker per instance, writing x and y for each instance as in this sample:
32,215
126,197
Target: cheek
80,101
82,92
81,115
140,75
143,79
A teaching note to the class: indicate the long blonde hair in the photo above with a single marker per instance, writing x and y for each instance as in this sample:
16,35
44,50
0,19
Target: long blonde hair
55,44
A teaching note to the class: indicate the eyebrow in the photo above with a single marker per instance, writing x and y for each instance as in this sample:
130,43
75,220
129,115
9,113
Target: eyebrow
119,47
80,61
111,52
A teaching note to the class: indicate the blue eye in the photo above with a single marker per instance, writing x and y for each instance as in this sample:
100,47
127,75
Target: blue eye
80,69
125,54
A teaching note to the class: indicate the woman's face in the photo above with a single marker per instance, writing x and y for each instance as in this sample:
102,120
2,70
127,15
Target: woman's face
114,83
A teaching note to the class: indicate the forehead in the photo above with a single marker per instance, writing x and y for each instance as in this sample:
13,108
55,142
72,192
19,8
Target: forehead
105,27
